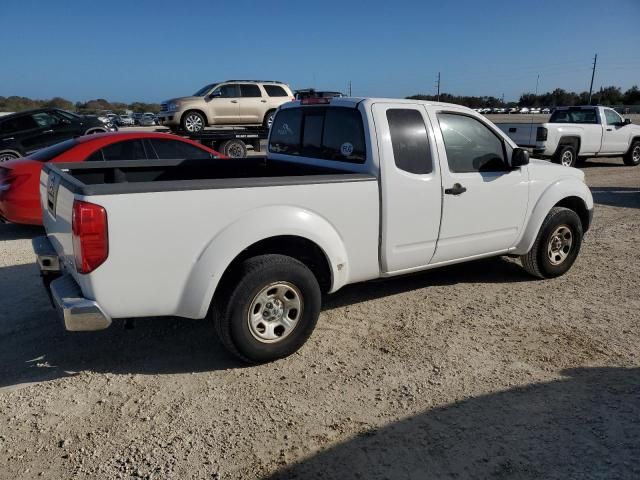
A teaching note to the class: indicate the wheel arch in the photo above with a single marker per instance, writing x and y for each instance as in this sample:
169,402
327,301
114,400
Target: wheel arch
298,233
573,140
11,150
568,193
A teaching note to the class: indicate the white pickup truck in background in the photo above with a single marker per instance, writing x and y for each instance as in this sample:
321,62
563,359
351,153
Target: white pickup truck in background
351,190
574,133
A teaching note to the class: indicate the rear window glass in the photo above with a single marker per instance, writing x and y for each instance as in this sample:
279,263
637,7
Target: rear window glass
175,149
275,91
18,124
329,133
49,153
127,150
574,116
250,91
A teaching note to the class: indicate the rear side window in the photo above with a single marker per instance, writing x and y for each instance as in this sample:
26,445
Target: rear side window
250,90
275,91
410,141
47,154
329,133
18,124
175,149
470,145
127,150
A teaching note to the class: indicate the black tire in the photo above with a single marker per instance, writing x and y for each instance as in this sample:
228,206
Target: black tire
268,118
193,122
241,290
233,149
632,157
538,260
566,155
6,156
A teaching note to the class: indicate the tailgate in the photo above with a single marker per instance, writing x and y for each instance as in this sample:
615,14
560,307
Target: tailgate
57,209
524,134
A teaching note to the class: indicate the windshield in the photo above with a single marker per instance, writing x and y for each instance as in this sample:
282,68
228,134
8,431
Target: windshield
48,153
203,91
574,116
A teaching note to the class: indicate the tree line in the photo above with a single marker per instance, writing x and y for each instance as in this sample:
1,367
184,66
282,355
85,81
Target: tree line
613,96
18,104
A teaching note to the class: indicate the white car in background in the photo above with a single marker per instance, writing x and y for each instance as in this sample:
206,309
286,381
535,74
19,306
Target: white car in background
524,110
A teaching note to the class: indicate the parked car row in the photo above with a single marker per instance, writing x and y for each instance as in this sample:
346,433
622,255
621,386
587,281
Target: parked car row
486,110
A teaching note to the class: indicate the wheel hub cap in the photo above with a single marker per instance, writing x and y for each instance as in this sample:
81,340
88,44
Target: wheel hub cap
636,154
567,158
274,312
193,123
560,245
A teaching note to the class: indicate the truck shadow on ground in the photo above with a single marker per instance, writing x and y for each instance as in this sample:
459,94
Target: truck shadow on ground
584,426
34,346
626,197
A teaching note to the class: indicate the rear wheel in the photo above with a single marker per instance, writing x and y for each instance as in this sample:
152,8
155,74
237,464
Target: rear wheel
268,309
192,122
6,156
234,149
566,156
632,157
556,246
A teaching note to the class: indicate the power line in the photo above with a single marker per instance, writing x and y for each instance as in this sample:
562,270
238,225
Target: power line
593,73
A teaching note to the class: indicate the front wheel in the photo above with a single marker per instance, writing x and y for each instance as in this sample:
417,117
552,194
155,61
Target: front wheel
268,308
193,122
632,157
556,246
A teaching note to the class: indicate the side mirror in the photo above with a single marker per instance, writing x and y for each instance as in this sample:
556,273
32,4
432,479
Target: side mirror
627,121
519,157
215,94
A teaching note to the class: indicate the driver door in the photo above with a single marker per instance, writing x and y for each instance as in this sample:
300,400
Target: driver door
484,201
224,104
615,137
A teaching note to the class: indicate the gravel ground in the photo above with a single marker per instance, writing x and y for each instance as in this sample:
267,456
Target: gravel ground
473,371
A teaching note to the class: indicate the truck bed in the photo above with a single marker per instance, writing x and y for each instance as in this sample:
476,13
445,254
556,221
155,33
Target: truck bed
136,176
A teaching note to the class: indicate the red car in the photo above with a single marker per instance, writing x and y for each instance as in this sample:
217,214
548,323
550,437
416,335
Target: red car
20,178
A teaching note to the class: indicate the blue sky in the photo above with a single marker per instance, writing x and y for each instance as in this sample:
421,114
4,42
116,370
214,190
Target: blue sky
154,50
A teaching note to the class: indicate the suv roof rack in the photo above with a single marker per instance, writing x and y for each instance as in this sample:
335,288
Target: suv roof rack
257,81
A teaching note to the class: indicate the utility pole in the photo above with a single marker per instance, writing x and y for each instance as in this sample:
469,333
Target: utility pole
503,99
438,84
593,73
349,87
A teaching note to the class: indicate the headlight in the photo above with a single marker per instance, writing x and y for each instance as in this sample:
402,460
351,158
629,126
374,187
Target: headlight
172,106
103,119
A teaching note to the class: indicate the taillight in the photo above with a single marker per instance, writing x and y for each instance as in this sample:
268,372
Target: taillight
90,237
541,134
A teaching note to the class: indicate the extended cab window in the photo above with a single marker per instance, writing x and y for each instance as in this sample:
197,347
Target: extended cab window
329,133
275,91
410,141
470,145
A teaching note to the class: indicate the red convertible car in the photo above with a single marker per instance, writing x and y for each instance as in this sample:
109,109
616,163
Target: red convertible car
20,178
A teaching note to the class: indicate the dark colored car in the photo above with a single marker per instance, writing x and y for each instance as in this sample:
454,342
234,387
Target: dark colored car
25,132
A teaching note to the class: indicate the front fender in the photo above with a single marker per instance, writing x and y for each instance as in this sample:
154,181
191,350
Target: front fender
551,196
254,226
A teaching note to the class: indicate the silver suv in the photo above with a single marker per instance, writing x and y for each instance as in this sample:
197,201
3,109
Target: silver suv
233,102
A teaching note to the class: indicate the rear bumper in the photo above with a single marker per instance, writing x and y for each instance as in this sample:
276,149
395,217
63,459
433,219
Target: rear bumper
77,312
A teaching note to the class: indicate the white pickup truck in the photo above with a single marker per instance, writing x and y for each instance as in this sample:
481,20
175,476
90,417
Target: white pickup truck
351,190
574,133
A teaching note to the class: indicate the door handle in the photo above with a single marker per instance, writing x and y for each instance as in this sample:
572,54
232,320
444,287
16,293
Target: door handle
234,101
263,101
457,189
48,131
609,129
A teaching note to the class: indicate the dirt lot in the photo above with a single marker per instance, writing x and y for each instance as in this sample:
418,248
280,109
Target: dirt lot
474,371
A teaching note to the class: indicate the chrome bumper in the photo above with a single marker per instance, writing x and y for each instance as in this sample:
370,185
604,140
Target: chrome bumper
77,312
